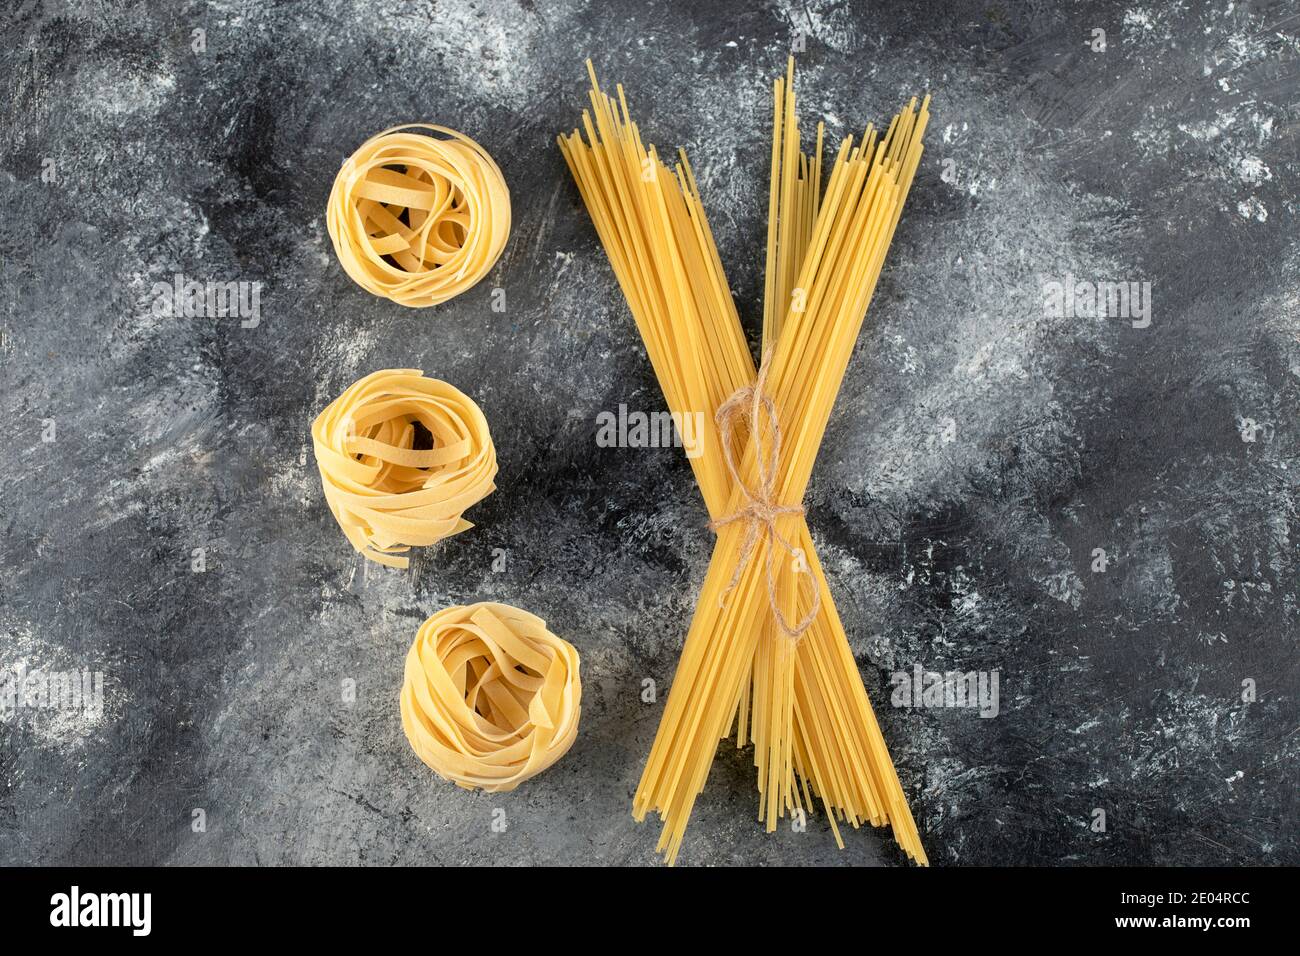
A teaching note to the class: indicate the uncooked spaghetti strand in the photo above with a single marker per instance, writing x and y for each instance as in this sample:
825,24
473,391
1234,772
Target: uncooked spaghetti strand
713,252
909,820
674,838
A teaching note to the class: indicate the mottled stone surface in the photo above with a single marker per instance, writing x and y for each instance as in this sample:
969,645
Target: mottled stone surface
980,451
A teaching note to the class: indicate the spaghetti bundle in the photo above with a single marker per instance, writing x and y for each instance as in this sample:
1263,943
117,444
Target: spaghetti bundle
416,218
490,696
793,690
401,457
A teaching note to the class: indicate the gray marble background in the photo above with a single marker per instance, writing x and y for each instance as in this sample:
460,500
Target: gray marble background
1169,157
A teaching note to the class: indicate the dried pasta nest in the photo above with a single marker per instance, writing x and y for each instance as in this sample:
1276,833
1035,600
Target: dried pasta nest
418,218
490,696
401,457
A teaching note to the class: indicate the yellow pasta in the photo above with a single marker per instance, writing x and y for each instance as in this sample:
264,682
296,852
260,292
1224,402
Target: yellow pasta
794,691
418,218
490,696
401,457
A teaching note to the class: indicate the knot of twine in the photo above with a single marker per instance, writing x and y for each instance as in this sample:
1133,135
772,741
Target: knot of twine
761,510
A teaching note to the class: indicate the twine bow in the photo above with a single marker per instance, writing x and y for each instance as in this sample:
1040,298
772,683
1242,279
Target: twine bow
761,509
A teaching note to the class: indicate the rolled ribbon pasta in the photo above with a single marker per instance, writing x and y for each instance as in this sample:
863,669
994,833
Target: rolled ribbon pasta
490,696
416,218
390,485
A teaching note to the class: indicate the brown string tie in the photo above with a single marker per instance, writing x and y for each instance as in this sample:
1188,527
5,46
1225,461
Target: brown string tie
761,509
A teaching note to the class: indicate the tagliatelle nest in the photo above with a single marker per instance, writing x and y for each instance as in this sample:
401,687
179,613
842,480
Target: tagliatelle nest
390,484
417,218
490,696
